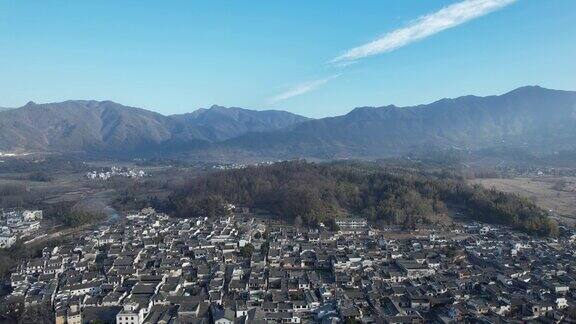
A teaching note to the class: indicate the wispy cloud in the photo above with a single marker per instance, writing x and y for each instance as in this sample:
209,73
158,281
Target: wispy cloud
425,26
301,89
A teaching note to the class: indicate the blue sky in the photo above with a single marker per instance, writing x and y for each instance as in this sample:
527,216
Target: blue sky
177,56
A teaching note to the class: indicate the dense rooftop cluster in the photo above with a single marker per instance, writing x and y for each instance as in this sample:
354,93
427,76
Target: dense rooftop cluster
151,268
16,224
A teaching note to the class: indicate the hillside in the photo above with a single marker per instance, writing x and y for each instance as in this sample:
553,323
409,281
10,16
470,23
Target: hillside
220,123
530,117
105,126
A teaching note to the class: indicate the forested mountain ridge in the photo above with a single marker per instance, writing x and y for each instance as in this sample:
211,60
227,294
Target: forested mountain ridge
529,117
105,126
317,193
221,123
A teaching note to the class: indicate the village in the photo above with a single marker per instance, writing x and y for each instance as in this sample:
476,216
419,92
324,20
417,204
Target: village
16,224
115,172
152,268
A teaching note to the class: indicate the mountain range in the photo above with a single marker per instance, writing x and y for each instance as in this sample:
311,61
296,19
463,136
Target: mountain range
531,117
105,127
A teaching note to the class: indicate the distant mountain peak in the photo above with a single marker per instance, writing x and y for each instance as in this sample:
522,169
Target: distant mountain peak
529,87
526,90
367,109
218,107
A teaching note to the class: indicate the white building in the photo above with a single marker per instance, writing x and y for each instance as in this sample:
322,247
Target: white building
32,215
7,240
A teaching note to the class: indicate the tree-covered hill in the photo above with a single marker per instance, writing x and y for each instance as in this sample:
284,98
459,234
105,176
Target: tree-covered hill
314,193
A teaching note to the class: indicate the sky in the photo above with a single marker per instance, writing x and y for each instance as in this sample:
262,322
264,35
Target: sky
315,58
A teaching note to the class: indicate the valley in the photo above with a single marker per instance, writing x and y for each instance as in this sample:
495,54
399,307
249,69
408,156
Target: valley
287,162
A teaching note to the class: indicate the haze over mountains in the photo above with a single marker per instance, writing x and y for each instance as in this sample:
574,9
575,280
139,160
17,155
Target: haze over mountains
108,127
529,117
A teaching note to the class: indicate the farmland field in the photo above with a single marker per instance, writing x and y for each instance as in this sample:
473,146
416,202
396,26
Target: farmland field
555,194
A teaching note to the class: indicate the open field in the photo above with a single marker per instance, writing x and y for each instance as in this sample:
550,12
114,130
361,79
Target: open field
556,194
